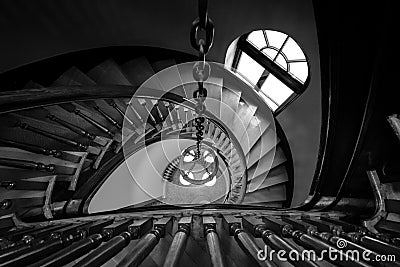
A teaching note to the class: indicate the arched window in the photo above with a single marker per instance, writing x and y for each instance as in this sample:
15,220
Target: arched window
274,62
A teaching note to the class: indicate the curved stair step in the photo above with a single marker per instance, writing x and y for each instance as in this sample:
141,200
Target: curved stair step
189,84
269,161
73,76
269,194
169,76
275,176
108,72
229,105
214,95
242,118
255,129
138,71
263,145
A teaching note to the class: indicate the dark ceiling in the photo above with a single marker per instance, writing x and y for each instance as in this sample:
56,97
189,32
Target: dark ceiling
33,30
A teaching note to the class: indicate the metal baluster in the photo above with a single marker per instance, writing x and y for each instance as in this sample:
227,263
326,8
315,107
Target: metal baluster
108,117
156,105
32,148
151,117
213,245
147,243
170,114
70,126
26,164
58,138
44,151
102,141
120,112
136,113
180,123
94,123
189,124
178,244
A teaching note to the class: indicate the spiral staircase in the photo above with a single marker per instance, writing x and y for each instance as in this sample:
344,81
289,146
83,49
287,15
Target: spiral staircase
64,137
60,140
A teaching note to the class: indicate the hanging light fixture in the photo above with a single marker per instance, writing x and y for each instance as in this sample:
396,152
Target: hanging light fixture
199,163
198,169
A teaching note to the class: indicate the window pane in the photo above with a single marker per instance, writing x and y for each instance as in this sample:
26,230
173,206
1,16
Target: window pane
292,50
299,70
281,61
276,90
271,53
275,39
249,68
271,104
257,39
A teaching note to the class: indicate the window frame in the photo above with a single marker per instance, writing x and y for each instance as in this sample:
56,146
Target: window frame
244,46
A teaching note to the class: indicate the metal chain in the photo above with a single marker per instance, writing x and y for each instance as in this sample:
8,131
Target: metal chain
201,70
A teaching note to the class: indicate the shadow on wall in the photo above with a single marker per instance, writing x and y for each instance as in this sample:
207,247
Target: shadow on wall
301,123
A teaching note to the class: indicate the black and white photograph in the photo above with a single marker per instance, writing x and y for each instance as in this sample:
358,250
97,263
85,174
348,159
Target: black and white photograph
199,133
